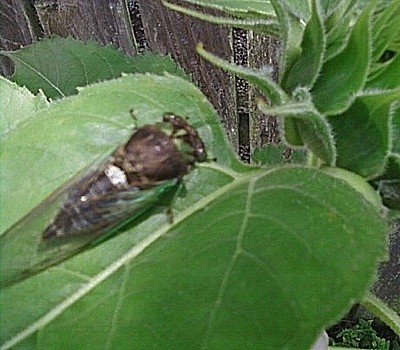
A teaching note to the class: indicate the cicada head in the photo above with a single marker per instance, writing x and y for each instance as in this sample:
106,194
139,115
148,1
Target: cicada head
187,139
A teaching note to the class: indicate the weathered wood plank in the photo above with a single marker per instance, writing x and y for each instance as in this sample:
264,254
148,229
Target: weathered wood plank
17,29
177,35
106,22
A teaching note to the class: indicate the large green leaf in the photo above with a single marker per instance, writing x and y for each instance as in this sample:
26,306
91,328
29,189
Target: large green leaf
74,64
217,276
255,258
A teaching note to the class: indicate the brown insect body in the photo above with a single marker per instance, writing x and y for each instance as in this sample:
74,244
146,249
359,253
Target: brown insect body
153,155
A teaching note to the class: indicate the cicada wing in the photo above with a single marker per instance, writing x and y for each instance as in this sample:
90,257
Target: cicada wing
24,253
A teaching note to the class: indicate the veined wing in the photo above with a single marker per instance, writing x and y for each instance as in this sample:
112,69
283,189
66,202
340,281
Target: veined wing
23,252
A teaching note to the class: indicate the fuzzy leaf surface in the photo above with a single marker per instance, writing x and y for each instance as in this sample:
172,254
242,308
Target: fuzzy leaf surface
363,133
312,127
340,78
305,70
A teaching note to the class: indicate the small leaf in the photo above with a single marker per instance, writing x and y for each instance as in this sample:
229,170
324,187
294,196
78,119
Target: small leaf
75,64
337,26
239,8
253,9
388,76
298,8
385,28
362,133
313,128
268,25
335,10
340,78
291,33
305,70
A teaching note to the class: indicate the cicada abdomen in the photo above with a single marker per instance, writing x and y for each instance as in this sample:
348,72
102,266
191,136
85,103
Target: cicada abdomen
134,179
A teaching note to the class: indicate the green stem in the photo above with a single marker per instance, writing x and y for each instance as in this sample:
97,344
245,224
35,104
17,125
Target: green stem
381,310
313,160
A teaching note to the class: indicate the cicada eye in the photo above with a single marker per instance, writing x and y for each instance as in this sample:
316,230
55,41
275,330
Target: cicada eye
200,153
170,118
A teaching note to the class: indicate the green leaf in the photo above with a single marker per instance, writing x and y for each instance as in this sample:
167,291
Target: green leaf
223,264
335,9
362,133
358,183
249,247
313,128
239,8
263,83
268,26
337,26
291,33
385,28
340,78
298,8
254,8
75,64
305,70
14,98
388,76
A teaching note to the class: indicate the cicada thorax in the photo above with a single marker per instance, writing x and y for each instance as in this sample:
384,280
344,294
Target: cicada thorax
153,155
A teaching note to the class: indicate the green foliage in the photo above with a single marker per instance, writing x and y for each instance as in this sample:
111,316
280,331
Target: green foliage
257,257
339,86
76,64
362,336
338,92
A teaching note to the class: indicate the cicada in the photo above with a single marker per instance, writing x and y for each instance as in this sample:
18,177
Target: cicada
132,180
